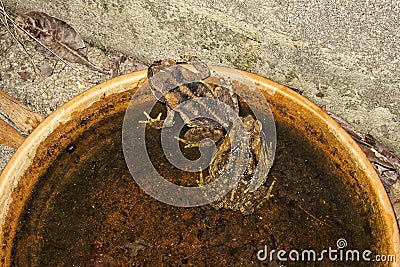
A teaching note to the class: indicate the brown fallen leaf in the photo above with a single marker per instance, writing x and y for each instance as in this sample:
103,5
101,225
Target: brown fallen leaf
386,164
52,37
120,64
382,149
345,125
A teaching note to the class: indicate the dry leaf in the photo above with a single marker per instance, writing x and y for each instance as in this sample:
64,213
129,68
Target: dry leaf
386,164
52,37
382,149
121,64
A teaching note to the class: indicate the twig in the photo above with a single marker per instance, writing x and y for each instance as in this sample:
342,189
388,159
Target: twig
22,116
9,136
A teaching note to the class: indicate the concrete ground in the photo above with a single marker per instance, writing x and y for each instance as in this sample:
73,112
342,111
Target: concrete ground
342,54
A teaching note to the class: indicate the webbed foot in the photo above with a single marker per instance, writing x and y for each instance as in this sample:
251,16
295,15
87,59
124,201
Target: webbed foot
188,144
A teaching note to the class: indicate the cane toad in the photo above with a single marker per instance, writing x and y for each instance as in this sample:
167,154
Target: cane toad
241,198
172,83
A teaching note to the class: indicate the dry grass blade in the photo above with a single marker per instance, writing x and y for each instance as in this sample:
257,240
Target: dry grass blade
23,118
314,217
9,136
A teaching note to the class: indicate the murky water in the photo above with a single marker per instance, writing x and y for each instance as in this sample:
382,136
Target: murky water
88,208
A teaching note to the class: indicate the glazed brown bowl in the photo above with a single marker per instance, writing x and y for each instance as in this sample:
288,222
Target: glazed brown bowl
55,133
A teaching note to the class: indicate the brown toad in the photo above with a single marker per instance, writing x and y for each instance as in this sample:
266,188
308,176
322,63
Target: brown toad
173,83
241,198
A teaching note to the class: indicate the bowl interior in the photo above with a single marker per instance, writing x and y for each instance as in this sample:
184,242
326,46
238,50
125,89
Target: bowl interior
81,205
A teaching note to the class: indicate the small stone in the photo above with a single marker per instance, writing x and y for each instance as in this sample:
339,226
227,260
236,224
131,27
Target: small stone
26,75
46,70
71,148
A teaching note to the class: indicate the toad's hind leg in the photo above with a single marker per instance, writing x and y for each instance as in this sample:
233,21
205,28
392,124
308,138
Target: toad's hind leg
194,137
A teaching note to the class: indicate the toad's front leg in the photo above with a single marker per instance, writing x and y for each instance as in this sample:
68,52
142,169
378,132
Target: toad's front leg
194,136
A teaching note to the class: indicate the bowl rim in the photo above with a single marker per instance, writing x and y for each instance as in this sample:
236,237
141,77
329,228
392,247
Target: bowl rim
25,154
